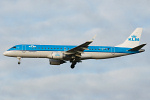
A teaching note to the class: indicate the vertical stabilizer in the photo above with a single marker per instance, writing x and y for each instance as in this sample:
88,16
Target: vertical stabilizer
133,40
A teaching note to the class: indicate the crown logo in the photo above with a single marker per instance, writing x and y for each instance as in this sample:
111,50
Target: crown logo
133,38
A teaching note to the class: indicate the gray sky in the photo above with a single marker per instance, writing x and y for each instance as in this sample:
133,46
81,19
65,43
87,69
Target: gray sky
72,23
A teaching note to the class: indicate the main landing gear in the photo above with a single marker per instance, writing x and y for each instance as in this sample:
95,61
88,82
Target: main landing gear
73,64
19,62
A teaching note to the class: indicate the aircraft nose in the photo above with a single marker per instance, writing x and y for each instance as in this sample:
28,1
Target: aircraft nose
5,53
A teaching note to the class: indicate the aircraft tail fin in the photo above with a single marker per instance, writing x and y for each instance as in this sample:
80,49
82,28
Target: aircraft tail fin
133,40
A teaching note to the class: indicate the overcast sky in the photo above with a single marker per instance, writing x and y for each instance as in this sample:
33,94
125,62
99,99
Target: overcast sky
73,22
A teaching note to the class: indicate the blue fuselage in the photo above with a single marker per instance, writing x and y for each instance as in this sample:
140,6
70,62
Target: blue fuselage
105,49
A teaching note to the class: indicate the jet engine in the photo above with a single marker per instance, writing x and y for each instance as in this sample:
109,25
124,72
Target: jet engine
56,62
56,55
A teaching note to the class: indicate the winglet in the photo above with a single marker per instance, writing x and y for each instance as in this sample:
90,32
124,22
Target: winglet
93,38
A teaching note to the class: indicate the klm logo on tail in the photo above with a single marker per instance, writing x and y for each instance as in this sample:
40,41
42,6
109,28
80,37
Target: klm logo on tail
133,38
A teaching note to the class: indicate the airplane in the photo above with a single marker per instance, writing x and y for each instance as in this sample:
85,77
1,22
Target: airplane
59,54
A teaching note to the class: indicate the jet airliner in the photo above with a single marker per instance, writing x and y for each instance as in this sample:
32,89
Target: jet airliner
59,54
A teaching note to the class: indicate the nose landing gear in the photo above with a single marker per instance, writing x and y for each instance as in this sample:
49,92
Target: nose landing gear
19,62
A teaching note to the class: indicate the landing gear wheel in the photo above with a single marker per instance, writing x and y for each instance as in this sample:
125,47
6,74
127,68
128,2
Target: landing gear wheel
73,64
18,63
19,58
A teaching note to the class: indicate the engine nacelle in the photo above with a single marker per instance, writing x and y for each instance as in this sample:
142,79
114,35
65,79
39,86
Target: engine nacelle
56,62
56,55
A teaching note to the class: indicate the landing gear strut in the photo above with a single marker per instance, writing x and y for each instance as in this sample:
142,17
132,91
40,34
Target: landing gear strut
19,58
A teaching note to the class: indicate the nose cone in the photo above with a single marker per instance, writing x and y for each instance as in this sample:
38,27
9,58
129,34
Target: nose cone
5,53
9,53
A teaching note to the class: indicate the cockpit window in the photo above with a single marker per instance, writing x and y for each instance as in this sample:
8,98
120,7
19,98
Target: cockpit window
14,47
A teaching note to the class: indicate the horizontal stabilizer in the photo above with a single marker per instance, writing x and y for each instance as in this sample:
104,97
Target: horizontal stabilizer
137,48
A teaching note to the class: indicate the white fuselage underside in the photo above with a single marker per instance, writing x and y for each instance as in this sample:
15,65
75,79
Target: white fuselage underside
45,54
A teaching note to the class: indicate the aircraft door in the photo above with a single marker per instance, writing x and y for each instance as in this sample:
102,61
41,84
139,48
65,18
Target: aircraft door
113,51
23,48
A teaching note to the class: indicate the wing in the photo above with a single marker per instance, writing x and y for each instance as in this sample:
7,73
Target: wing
79,49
